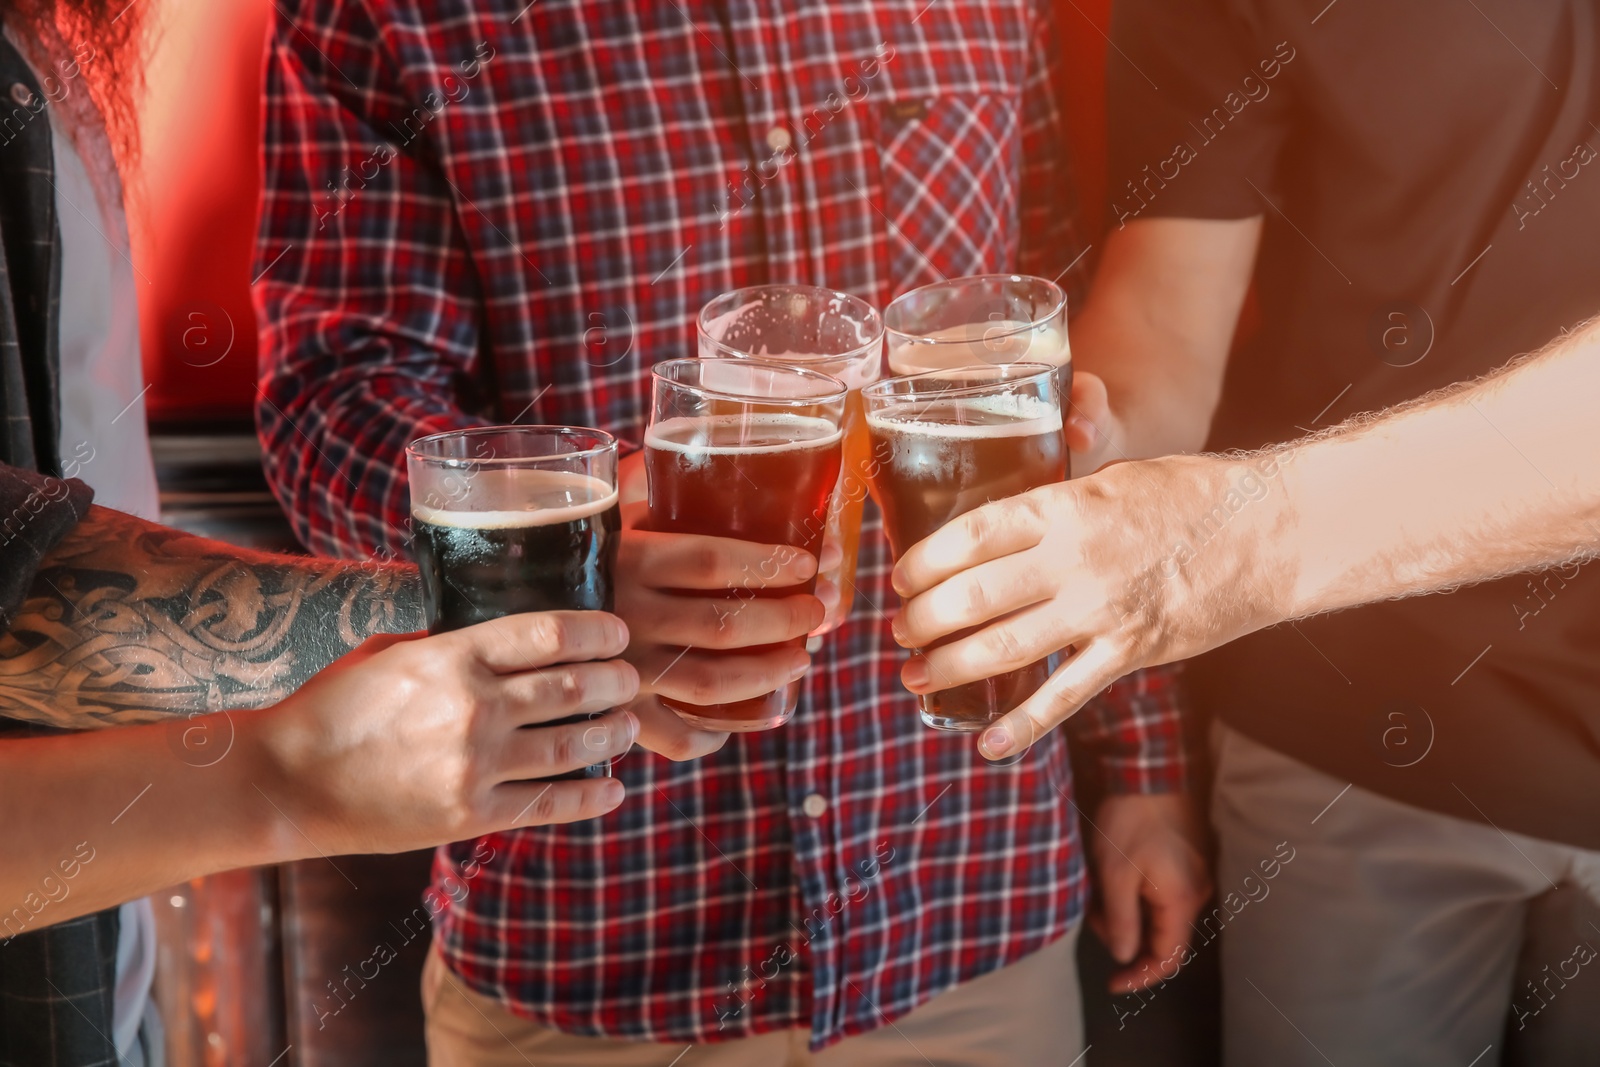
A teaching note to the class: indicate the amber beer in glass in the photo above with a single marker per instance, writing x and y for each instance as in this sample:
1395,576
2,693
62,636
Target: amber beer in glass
745,449
510,519
944,443
986,318
821,330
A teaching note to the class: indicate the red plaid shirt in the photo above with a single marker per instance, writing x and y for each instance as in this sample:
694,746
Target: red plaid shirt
493,211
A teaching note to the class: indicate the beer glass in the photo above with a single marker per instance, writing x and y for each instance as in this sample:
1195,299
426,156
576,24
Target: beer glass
510,519
821,330
746,449
949,441
986,318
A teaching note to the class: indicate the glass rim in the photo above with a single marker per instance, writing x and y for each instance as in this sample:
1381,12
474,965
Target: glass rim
1057,307
838,393
873,317
999,373
606,443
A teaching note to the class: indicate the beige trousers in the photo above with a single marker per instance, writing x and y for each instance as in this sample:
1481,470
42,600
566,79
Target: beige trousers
1395,937
1026,1014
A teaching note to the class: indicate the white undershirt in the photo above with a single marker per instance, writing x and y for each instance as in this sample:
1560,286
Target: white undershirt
105,442
102,381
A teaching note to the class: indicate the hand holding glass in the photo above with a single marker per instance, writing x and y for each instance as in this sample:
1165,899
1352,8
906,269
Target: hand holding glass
748,450
512,519
946,443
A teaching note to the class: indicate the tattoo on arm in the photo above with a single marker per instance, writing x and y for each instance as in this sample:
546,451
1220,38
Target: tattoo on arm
129,621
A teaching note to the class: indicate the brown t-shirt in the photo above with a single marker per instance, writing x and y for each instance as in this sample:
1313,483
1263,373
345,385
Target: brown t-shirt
1429,175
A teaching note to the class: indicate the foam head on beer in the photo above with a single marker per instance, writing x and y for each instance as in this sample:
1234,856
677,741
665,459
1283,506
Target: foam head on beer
992,319
517,540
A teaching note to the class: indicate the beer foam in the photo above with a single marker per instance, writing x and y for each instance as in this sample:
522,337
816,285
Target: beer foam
512,499
859,373
977,344
1018,416
696,432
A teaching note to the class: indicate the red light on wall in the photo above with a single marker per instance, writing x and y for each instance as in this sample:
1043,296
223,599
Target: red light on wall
194,208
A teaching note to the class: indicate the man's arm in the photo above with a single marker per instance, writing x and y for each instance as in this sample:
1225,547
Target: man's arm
1187,209
1476,481
128,621
403,742
408,742
1156,331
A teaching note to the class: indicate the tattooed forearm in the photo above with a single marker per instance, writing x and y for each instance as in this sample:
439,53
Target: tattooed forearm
129,621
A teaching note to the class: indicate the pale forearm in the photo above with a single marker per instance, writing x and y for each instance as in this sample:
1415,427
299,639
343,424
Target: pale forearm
96,819
128,621
1479,481
1158,327
1154,412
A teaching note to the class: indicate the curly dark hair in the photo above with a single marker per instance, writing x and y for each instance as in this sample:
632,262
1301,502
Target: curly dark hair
101,42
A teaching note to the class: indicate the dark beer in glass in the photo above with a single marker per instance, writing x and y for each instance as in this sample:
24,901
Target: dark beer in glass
950,441
751,450
512,519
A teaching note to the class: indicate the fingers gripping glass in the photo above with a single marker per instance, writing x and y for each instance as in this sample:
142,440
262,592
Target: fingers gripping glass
751,450
820,330
511,519
945,443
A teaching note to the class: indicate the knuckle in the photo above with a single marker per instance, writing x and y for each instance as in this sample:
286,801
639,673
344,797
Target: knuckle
1005,644
1058,706
571,687
980,526
717,623
549,632
547,806
979,602
1030,511
565,748
702,686
624,681
712,560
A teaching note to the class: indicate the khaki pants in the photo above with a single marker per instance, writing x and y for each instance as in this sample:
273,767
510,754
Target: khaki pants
1024,1015
1395,935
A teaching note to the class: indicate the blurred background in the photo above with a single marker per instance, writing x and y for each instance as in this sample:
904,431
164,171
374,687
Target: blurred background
264,968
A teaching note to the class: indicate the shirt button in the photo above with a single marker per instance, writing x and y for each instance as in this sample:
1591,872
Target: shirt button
778,139
22,95
814,805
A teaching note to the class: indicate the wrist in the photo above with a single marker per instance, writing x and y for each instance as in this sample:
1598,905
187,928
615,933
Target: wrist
1304,517
276,826
1244,571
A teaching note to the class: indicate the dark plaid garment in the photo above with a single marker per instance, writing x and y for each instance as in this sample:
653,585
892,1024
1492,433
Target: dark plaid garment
56,984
